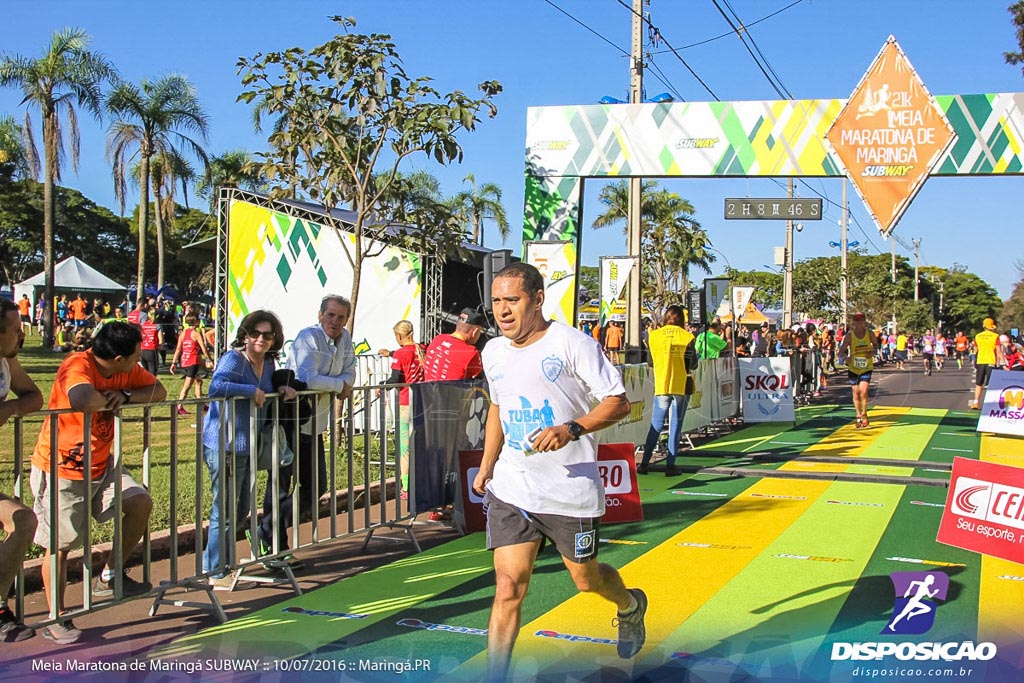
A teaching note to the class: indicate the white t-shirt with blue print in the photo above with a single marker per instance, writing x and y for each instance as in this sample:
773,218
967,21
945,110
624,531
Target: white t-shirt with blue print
556,379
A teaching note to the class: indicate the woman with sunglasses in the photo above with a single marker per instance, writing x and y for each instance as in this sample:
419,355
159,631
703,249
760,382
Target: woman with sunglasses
247,370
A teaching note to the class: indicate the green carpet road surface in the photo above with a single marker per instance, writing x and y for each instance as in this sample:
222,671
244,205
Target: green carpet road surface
749,578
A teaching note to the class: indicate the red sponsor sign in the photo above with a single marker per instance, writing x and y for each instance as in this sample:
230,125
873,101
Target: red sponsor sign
615,463
985,509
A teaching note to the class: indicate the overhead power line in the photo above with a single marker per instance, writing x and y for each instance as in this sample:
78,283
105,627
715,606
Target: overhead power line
672,49
729,33
658,74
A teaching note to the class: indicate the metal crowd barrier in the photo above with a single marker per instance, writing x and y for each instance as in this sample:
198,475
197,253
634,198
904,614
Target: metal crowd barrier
354,445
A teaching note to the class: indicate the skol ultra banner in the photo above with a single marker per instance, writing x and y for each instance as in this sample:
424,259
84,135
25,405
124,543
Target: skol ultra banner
767,390
286,264
716,295
556,261
614,273
1003,409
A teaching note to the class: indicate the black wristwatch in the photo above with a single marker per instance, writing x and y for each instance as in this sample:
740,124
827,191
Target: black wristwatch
575,430
127,395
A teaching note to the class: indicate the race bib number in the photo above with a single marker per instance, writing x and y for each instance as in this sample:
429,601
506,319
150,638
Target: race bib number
860,363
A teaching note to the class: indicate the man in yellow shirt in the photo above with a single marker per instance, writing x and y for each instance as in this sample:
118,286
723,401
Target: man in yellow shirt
901,351
989,355
673,354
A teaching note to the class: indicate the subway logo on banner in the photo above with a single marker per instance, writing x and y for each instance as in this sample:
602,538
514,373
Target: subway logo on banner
887,171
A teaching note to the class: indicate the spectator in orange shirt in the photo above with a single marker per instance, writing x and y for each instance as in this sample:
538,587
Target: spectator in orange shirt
77,308
25,311
98,381
613,341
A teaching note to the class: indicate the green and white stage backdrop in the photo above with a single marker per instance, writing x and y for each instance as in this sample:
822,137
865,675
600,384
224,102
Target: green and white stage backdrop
286,264
784,138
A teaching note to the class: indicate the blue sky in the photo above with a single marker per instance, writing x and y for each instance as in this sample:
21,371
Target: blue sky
819,48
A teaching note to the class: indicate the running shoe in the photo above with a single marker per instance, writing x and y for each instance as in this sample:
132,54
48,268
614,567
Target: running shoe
62,633
130,588
12,630
632,632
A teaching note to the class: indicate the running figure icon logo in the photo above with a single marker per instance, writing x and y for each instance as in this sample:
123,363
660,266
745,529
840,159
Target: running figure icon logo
914,610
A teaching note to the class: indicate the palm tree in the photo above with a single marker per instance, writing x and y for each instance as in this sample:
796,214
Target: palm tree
231,169
616,197
150,120
16,160
673,240
478,204
166,170
67,74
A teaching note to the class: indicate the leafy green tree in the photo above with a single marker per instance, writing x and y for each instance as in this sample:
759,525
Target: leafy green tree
1013,308
767,285
82,228
154,118
914,316
968,300
67,73
479,204
1016,10
353,118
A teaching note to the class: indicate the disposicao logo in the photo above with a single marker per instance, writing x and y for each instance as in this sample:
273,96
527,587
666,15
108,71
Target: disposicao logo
913,613
916,592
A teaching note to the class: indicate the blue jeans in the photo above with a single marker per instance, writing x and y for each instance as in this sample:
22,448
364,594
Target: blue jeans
672,406
212,560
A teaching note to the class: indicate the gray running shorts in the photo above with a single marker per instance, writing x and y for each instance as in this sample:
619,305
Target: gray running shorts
574,537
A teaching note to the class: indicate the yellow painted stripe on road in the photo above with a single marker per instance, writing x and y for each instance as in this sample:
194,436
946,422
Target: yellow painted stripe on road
679,579
1002,590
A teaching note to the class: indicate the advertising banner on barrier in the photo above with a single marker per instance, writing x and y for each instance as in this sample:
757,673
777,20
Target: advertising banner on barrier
716,295
767,390
617,467
639,382
614,274
447,417
556,261
985,509
1003,409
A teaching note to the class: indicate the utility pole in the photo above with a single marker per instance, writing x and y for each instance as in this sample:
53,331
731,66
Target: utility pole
636,87
917,249
892,246
844,281
787,283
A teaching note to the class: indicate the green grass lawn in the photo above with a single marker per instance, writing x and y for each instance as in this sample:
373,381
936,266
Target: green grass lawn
156,469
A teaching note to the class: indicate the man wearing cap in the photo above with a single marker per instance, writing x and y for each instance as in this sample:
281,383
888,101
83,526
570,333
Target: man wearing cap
859,348
989,354
455,356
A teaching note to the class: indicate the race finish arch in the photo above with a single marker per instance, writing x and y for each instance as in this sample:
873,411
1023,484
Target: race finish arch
888,138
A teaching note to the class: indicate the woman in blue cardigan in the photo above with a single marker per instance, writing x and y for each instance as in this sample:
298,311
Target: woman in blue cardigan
245,370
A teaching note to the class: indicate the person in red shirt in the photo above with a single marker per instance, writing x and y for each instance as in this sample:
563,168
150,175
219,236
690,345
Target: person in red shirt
152,339
406,368
455,356
98,381
191,345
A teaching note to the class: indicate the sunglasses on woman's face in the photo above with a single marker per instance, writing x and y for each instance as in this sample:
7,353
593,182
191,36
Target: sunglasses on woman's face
267,335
